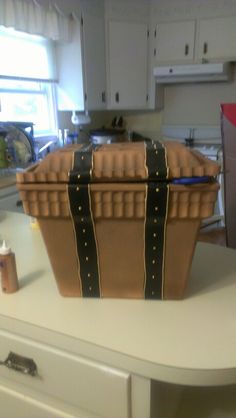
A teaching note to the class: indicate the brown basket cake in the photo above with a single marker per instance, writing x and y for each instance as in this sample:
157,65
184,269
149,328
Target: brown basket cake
118,220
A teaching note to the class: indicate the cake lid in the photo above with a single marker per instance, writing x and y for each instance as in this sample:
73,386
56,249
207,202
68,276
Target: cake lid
120,162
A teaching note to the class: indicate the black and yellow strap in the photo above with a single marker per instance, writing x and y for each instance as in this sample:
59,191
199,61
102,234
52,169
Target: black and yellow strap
155,219
80,207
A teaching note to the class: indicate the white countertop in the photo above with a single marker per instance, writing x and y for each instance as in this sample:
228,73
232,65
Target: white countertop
192,341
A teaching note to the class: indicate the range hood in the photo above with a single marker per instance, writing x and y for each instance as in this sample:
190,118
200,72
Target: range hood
195,73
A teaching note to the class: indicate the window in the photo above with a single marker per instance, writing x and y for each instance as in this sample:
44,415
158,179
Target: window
27,85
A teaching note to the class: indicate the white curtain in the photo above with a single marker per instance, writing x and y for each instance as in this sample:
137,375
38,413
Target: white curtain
29,16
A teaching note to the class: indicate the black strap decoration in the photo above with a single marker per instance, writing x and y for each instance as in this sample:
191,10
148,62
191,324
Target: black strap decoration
156,161
79,198
81,171
155,222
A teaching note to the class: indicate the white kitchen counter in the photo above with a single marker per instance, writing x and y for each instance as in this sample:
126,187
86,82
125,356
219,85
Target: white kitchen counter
146,356
192,341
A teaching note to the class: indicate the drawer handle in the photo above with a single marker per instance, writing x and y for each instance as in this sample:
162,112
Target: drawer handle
103,97
205,48
20,364
117,96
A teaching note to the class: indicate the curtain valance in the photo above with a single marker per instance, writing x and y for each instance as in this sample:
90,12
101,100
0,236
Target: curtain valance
31,17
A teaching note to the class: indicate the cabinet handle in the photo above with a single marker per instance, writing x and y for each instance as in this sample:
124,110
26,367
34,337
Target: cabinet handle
205,48
186,50
20,364
103,97
117,96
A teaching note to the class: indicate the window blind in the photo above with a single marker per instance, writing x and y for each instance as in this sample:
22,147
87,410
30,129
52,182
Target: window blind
26,56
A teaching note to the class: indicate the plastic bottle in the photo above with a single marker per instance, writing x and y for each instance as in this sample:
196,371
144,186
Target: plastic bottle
9,279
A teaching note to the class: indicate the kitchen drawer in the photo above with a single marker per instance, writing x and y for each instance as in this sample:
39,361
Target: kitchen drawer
75,380
12,401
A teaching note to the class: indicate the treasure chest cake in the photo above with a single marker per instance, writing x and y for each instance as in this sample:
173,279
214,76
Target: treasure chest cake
121,220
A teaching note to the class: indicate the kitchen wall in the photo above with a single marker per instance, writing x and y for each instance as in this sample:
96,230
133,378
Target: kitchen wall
197,104
98,120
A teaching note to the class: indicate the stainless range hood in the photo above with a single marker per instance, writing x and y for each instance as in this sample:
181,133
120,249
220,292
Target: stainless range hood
194,73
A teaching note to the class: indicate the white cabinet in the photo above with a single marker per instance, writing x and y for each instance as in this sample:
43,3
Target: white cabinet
94,58
192,41
174,42
70,89
127,64
16,404
81,65
80,383
217,39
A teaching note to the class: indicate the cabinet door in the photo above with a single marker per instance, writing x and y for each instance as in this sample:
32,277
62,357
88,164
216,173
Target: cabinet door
16,404
128,53
94,61
217,39
174,42
76,381
70,89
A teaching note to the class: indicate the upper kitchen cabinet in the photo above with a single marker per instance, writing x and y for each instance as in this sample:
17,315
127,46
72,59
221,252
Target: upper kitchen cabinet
94,58
81,64
217,39
127,65
174,42
70,89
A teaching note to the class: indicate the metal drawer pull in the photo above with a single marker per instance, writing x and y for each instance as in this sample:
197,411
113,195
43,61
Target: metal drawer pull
103,97
117,96
20,364
205,48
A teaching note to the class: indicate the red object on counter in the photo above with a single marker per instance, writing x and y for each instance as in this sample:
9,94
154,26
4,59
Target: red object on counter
229,111
228,131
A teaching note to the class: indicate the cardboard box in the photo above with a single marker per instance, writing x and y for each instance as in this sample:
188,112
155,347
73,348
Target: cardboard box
121,220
